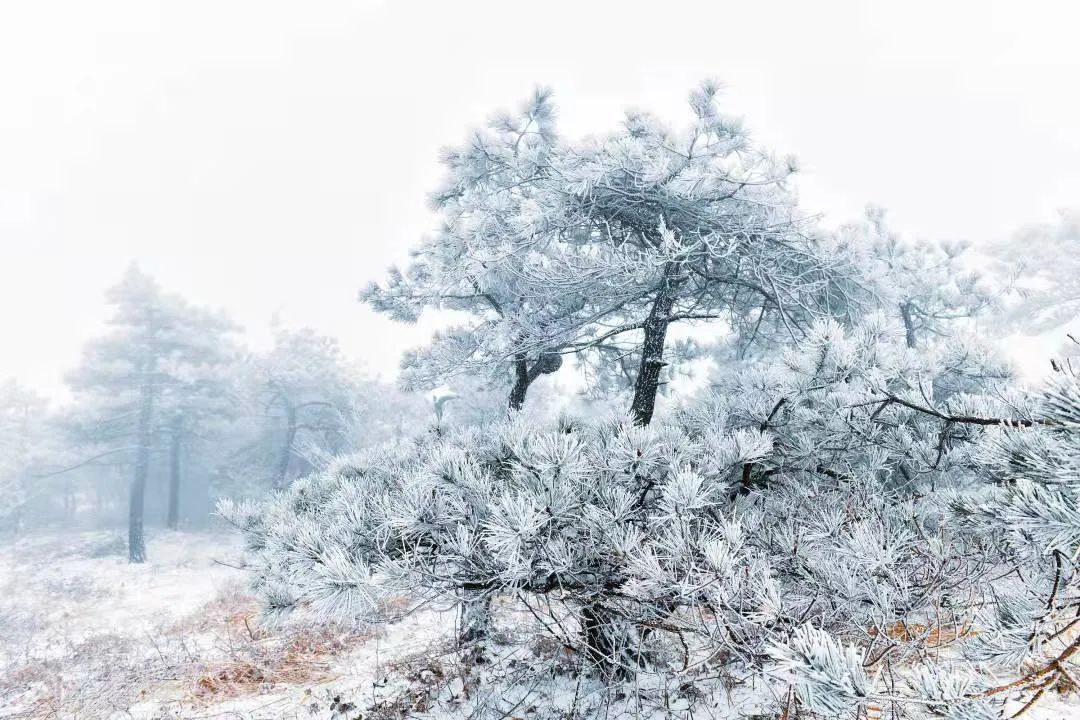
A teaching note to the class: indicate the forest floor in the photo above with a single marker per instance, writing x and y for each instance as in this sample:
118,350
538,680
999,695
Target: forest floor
86,635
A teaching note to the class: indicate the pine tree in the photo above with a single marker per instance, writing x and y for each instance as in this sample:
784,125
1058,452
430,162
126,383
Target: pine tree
852,498
141,369
557,247
1043,276
693,226
930,286
1031,514
307,390
197,405
498,209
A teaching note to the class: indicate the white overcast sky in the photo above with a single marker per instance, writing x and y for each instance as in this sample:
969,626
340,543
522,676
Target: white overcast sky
272,157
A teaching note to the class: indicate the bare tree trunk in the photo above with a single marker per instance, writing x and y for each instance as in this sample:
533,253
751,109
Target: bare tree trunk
652,349
280,476
175,443
136,542
525,375
474,625
909,324
521,382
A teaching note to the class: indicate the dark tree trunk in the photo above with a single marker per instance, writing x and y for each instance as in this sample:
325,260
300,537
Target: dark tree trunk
652,350
136,542
474,626
521,382
906,312
608,644
280,477
175,444
525,374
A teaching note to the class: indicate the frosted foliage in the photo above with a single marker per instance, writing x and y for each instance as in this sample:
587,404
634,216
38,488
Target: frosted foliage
830,678
552,246
496,207
157,344
1046,292
1031,516
928,286
798,524
152,333
859,515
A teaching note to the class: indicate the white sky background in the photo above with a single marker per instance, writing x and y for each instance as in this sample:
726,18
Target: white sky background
273,157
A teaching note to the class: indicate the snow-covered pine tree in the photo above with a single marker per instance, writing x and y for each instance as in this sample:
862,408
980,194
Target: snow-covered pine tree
689,226
792,527
1046,289
597,247
500,214
931,286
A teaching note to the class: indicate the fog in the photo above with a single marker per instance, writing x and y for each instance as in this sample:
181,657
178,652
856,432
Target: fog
292,145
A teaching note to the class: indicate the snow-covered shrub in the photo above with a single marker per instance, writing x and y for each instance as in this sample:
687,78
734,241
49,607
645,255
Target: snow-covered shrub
798,525
1029,618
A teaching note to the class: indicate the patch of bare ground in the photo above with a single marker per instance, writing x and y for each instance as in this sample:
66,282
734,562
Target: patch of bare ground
245,657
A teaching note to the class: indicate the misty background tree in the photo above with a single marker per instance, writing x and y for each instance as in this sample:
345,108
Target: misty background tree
144,379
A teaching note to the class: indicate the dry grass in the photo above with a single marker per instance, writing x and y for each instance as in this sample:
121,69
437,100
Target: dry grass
253,659
930,636
85,636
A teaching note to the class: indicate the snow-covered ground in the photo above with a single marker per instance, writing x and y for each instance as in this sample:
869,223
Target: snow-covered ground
84,634
87,636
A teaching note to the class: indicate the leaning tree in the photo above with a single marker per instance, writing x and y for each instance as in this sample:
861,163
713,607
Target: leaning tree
695,225
303,389
499,215
595,248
